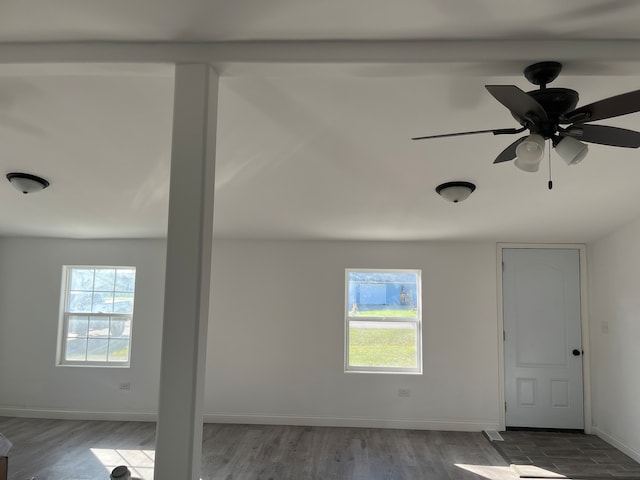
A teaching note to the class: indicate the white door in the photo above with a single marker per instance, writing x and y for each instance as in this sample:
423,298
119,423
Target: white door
543,338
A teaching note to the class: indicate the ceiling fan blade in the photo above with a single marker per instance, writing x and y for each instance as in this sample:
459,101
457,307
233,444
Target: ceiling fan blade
522,106
509,153
608,108
617,137
495,131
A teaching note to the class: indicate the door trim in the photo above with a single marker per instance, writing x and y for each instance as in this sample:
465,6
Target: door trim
584,319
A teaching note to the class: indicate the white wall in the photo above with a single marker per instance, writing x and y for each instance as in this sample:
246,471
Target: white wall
30,286
276,336
614,272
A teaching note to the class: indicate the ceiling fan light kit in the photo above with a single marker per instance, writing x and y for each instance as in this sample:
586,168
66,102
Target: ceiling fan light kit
545,111
27,183
529,153
455,192
527,165
572,151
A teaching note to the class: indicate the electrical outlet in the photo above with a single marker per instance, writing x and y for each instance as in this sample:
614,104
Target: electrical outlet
404,392
125,386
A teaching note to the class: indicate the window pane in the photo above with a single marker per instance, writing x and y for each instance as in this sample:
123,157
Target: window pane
76,350
79,301
81,279
382,294
99,327
119,350
123,302
97,349
383,345
120,327
373,294
104,280
78,326
125,280
102,302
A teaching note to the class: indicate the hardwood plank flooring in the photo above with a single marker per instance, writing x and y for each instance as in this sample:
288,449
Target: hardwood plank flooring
79,450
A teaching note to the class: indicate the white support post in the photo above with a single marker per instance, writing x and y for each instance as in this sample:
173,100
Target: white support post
188,272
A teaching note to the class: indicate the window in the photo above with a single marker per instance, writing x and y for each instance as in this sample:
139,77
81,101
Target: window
97,312
383,321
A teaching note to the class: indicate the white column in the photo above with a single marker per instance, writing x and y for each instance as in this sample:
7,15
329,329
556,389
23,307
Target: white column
186,299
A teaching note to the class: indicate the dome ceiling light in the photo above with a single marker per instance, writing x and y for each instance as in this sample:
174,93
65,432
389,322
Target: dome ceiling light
27,183
455,192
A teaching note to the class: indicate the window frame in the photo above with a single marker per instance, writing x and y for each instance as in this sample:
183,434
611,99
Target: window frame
65,314
417,321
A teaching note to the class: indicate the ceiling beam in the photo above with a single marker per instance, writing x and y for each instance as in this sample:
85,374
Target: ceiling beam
325,52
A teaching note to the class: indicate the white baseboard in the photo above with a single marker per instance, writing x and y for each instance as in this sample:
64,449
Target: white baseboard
450,425
460,425
618,444
61,414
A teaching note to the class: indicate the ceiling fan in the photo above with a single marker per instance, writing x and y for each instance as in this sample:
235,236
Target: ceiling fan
546,111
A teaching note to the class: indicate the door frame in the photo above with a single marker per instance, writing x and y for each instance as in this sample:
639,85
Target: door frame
584,319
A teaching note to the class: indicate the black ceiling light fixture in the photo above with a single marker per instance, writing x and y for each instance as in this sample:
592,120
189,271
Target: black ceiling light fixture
27,183
455,192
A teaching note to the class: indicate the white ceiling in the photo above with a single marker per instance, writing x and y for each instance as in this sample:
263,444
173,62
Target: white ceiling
318,147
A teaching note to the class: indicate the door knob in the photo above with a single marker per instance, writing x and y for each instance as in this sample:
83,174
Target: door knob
576,352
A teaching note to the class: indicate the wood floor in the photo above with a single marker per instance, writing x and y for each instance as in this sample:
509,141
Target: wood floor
80,450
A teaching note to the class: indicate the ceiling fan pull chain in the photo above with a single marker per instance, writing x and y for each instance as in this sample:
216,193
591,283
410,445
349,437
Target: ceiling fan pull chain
550,184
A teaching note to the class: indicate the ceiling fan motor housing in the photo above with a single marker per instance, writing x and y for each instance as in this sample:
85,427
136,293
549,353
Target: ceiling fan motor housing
556,102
